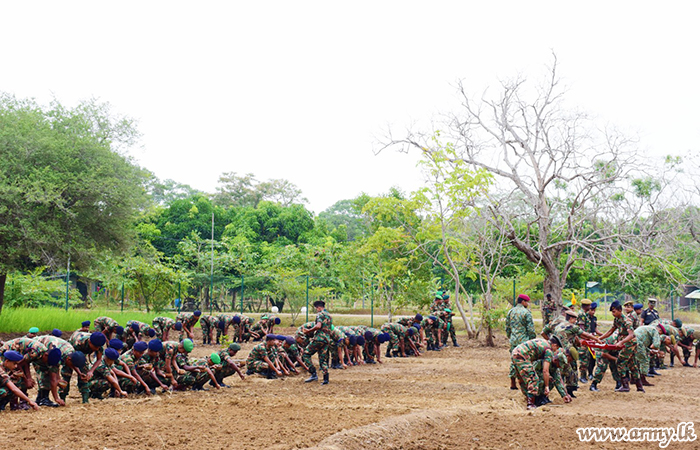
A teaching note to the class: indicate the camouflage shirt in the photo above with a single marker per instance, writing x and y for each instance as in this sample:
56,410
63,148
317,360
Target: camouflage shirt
52,342
104,322
188,319
648,336
519,325
81,342
259,352
165,323
31,348
567,333
623,325
533,350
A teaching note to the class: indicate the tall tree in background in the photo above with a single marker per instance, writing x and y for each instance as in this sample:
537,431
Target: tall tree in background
66,191
563,187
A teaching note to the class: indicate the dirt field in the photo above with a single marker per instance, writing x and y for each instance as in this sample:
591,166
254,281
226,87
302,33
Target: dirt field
454,399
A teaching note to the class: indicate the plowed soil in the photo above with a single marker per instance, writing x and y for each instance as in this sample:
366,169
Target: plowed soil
458,398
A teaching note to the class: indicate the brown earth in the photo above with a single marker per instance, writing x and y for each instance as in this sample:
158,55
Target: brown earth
454,399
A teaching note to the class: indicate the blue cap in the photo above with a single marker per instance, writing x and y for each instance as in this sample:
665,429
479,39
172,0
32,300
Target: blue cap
98,339
411,331
198,313
340,341
615,305
141,346
112,354
178,326
416,326
289,340
594,305
352,339
151,332
56,332
432,317
12,355
156,345
135,327
418,317
236,319
638,306
221,324
119,330
270,337
369,335
54,357
85,323
116,344
78,359
383,337
277,321
360,341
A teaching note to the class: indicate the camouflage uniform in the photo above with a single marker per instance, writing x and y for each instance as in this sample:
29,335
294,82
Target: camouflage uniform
429,330
80,342
336,335
300,335
188,320
647,337
519,328
245,325
397,332
548,309
4,379
161,325
320,343
256,358
106,325
626,364
635,320
602,363
227,369
208,324
44,371
157,362
584,323
33,351
189,378
524,356
128,359
258,327
131,338
689,337
98,384
227,319
567,333
368,352
555,376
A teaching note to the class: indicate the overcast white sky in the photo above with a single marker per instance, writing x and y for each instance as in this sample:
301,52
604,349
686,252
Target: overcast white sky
298,90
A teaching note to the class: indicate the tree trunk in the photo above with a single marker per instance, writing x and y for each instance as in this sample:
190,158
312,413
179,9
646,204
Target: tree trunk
469,326
553,285
3,279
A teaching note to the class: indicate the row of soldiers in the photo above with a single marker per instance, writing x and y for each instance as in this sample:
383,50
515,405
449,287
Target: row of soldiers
573,342
139,358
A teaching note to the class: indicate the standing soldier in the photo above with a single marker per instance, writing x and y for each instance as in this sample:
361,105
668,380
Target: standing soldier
627,344
320,342
650,314
548,308
448,318
519,328
584,322
629,312
208,324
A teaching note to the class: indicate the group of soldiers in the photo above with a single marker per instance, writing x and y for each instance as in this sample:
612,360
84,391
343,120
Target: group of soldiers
572,349
138,358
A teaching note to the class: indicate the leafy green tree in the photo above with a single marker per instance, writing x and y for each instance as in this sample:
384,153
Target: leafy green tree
66,191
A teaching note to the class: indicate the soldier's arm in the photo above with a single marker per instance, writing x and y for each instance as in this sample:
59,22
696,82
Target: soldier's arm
271,366
529,326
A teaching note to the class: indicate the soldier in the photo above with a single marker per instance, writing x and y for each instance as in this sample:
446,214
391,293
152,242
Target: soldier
106,325
32,350
320,342
103,377
225,321
558,365
670,328
605,358
209,365
8,390
428,332
650,314
647,337
151,365
261,358
48,375
189,375
86,344
208,324
584,322
336,348
629,311
549,306
131,360
688,337
519,328
638,308
437,307
229,366
627,344
398,334
188,321
163,325
243,326
33,331
523,357
448,319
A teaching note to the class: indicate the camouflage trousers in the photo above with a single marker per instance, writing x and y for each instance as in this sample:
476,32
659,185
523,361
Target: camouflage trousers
571,379
642,359
66,373
450,331
219,334
526,374
601,367
43,378
192,378
626,362
206,329
258,366
584,360
368,352
547,316
225,372
98,386
159,330
128,385
320,346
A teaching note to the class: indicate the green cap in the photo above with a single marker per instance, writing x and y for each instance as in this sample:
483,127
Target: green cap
215,358
569,305
438,294
188,345
448,310
33,330
234,347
